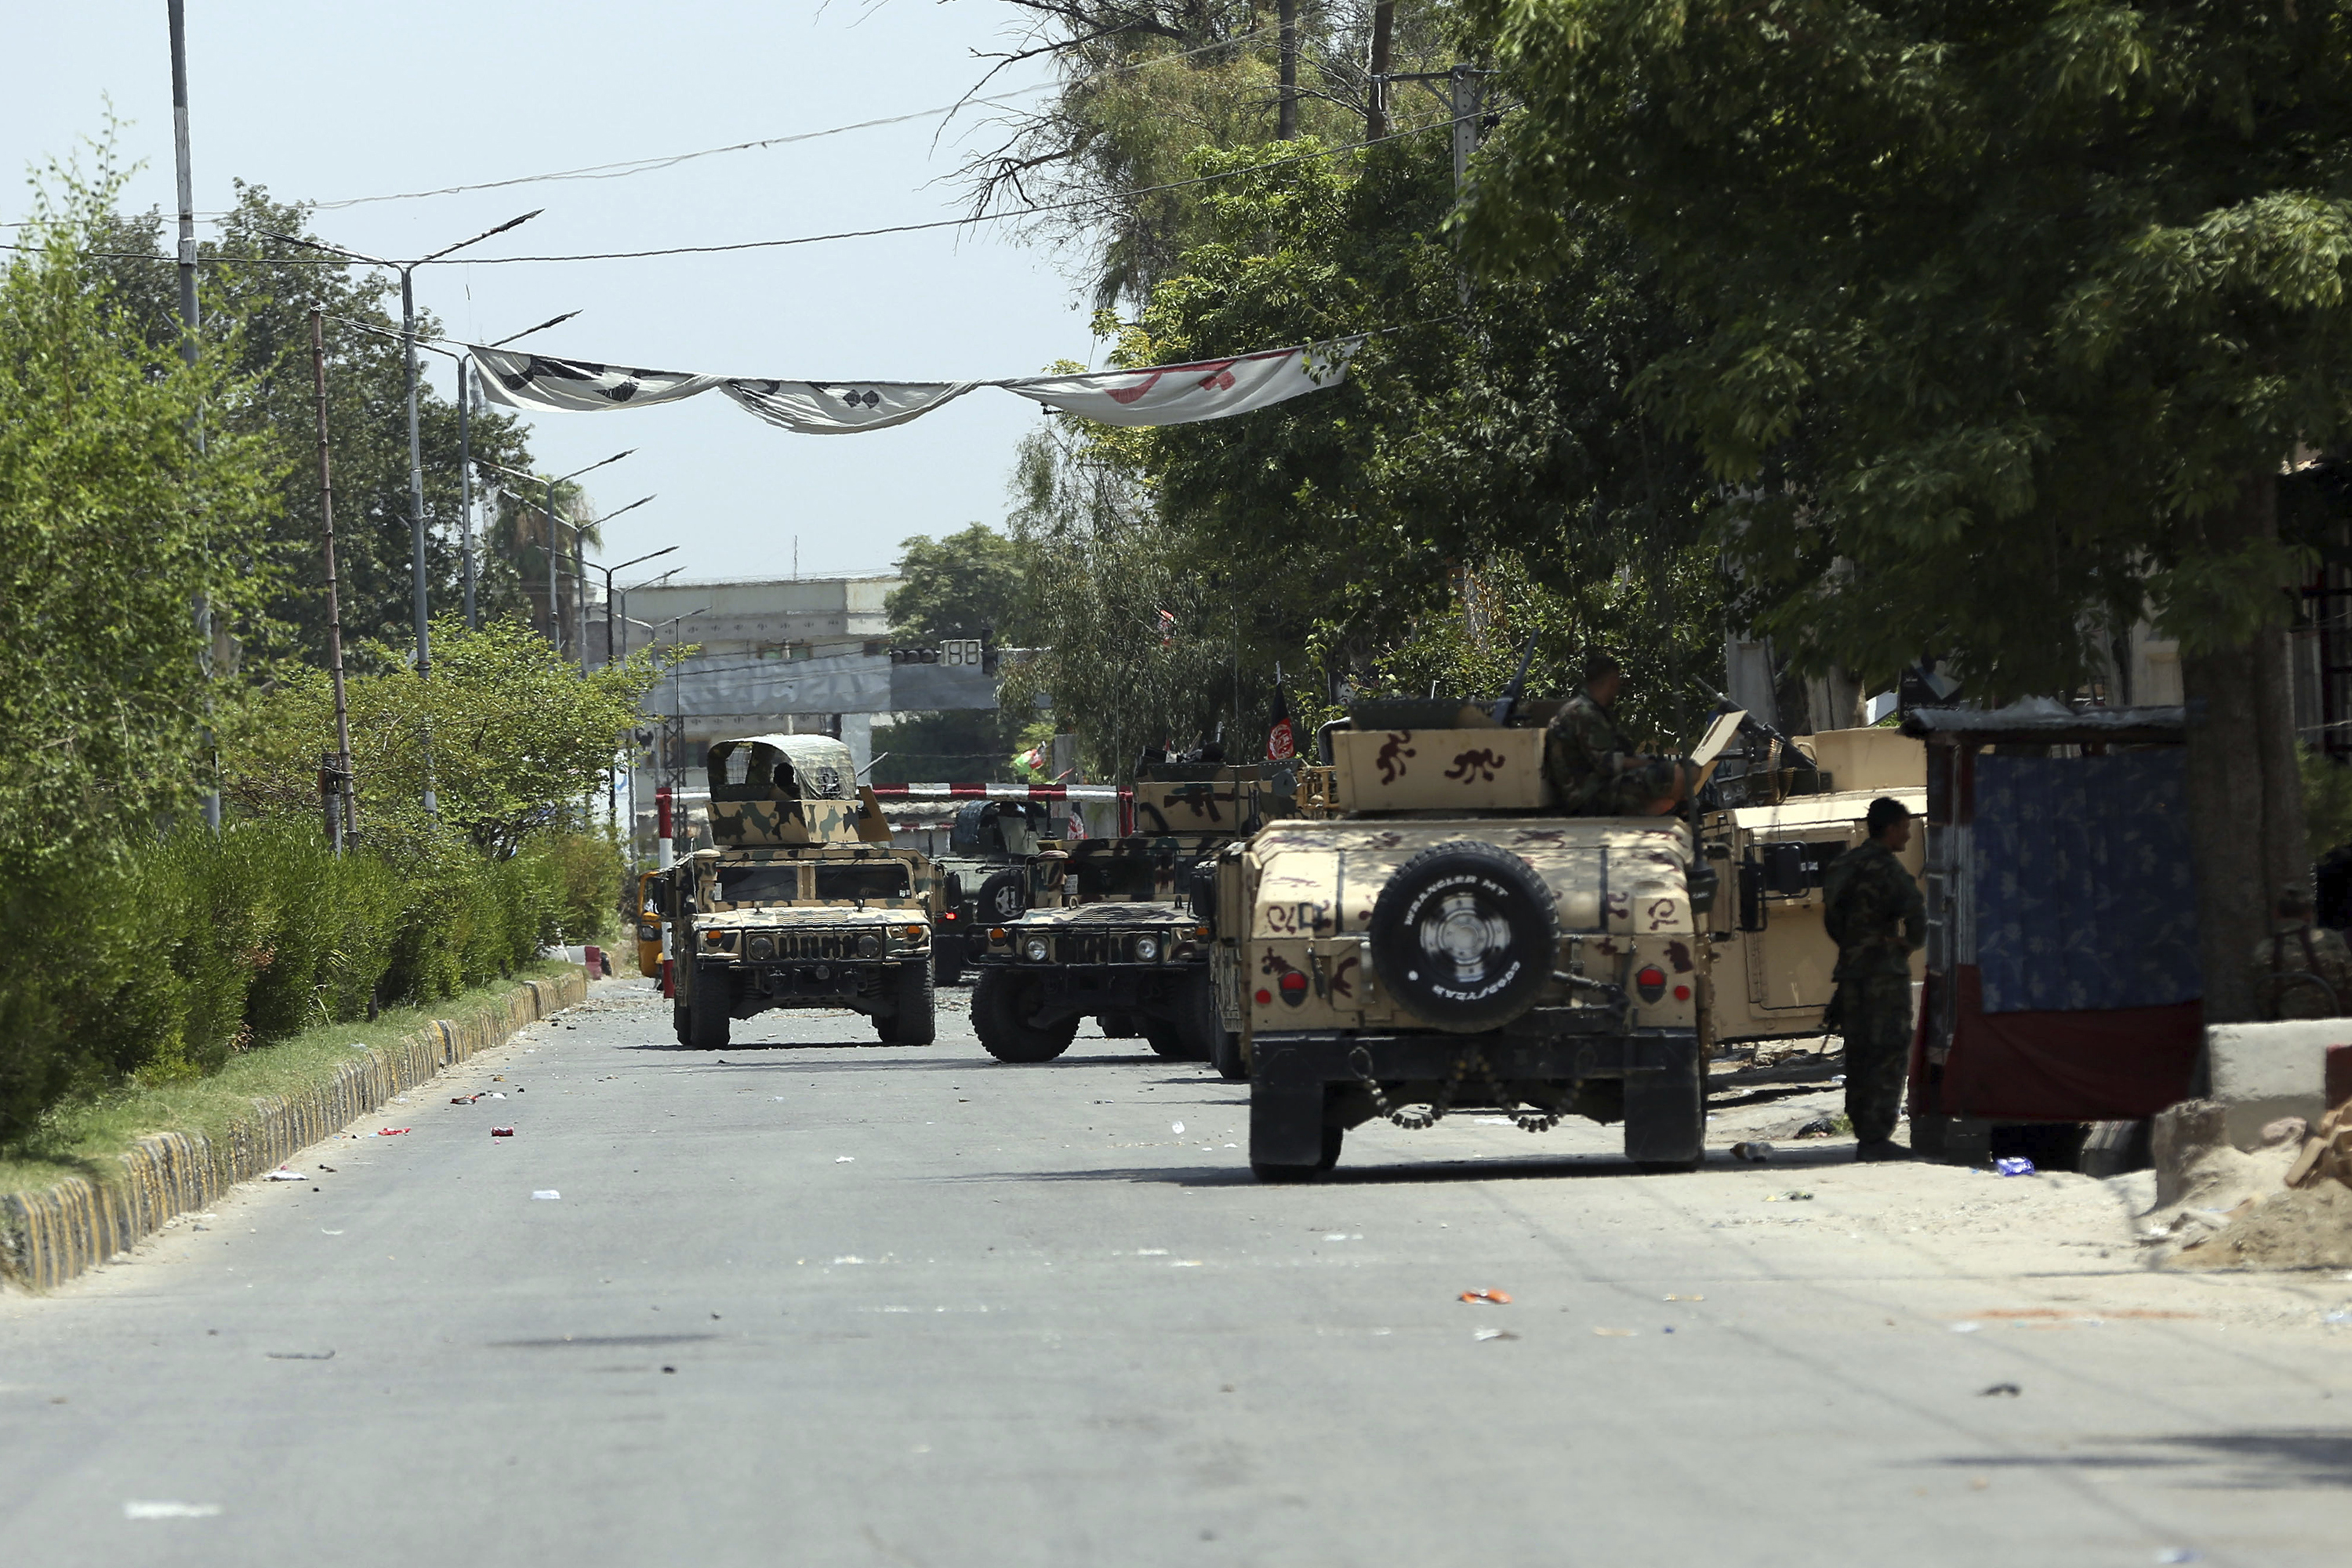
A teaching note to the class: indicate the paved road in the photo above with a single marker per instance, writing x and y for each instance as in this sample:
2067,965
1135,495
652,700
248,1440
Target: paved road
809,1299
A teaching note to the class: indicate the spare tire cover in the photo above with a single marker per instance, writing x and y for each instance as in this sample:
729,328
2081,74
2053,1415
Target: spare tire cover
1004,897
1464,935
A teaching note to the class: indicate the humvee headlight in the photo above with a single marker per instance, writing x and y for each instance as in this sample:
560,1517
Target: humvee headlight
869,945
1034,949
1147,948
996,933
714,939
761,947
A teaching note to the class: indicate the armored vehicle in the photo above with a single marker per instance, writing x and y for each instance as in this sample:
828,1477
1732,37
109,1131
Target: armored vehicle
1772,957
983,874
1448,940
804,902
1109,932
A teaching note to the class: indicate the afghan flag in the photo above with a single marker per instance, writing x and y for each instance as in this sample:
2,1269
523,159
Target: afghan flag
1281,744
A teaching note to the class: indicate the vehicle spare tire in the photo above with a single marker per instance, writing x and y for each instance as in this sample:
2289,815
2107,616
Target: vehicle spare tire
1464,935
1004,898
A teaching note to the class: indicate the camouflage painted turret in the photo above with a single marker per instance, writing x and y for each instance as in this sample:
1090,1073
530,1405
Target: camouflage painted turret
804,902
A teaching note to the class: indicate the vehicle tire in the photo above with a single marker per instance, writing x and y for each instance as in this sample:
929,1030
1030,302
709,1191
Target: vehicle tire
1665,1118
1196,1010
1464,935
679,1021
947,960
913,1020
1118,1026
2117,1148
1290,1138
707,1019
1231,1064
1002,1017
1168,1039
1004,898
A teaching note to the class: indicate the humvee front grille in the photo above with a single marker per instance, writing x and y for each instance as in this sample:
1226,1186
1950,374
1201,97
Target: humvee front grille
812,944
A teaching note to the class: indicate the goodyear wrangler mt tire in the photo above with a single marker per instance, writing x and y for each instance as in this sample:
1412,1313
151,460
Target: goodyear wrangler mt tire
1464,934
1004,898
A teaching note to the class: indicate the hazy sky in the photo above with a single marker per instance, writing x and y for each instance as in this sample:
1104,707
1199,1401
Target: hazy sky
327,102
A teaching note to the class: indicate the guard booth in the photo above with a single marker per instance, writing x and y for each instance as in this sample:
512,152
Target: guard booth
2061,974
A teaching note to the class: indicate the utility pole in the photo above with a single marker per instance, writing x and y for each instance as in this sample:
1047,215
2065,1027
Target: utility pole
1287,109
1376,103
554,552
349,824
184,172
1464,82
465,487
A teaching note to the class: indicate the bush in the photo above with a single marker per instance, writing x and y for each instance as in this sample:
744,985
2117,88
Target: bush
167,961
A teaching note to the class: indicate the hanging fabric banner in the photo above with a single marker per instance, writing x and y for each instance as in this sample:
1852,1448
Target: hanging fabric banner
576,387
1153,394
839,407
1187,394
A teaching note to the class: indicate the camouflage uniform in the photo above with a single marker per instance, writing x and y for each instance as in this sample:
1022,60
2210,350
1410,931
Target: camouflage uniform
2295,948
1584,752
1874,913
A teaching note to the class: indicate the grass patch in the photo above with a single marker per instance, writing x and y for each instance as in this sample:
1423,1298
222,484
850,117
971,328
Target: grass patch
83,1137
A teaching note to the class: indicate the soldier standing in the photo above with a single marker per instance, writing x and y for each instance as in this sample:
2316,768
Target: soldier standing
1592,764
1873,910
2302,970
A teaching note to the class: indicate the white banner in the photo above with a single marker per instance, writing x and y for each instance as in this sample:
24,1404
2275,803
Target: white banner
1153,394
840,407
548,385
1189,394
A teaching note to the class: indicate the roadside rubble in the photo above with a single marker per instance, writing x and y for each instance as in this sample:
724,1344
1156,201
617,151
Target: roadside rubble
2285,1204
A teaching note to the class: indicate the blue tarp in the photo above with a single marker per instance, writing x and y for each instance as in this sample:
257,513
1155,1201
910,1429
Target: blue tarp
2084,897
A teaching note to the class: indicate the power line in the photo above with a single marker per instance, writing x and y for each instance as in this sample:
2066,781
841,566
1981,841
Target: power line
1073,203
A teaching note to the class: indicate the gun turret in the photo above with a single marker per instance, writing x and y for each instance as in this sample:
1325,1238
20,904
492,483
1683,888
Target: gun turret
1508,702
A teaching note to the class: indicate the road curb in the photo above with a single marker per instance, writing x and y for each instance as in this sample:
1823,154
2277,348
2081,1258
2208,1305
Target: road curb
47,1237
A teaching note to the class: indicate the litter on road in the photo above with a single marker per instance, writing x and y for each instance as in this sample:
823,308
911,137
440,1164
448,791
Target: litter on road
171,1510
1999,1391
1754,1153
2013,1165
1483,1334
548,1194
1617,1333
299,1355
283,1174
389,1132
501,1131
1488,1298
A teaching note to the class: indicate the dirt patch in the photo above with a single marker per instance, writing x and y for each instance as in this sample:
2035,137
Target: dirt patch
2307,1228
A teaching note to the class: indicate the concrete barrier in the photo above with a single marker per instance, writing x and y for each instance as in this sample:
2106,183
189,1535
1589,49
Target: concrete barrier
49,1237
2263,1071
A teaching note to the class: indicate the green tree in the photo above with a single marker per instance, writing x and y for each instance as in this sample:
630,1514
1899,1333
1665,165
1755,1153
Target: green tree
116,523
2012,316
520,738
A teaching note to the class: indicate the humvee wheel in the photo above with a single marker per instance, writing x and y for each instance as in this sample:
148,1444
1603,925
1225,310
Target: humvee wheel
1168,1039
1279,1176
947,964
706,1010
1665,1118
1002,1005
1004,898
1118,1025
1464,934
914,1021
677,1019
1227,1058
1203,1029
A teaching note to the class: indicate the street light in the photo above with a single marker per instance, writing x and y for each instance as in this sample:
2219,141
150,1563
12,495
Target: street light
554,623
611,650
407,270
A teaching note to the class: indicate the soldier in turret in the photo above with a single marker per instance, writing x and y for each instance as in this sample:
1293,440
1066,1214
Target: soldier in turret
1594,766
1873,910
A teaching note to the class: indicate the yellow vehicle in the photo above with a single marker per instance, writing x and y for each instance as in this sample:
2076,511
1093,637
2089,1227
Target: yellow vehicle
649,924
1772,958
1451,940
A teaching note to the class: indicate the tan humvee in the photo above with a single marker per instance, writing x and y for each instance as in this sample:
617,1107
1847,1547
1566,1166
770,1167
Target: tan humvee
804,903
1110,933
1773,958
1449,940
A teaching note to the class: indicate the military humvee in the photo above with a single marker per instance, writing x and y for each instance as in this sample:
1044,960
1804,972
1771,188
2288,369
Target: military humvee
1109,932
981,874
804,903
1450,940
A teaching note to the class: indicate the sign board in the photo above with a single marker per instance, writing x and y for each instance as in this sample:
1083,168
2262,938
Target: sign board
960,652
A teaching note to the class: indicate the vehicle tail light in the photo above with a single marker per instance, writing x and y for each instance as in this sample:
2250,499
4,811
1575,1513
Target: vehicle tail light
1294,987
1651,983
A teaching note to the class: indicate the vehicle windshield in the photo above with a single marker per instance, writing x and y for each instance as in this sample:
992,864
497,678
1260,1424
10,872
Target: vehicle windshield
843,879
759,884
